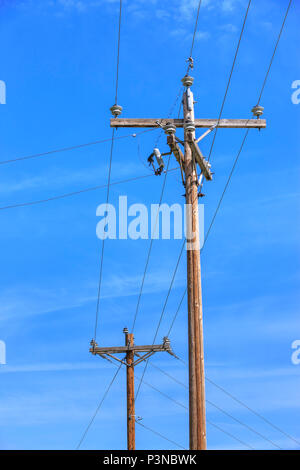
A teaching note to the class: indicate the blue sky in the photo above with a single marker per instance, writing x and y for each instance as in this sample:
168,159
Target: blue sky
58,60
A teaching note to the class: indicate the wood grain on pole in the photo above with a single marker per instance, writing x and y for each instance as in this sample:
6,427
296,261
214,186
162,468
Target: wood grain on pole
195,302
130,393
188,168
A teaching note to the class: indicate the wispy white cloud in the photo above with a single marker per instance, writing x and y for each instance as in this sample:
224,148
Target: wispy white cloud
25,301
50,367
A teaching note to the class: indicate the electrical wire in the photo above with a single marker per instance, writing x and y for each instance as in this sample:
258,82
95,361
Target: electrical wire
118,53
74,193
247,407
194,36
239,152
98,407
218,408
103,240
226,186
161,317
172,281
73,147
275,49
215,406
229,80
150,249
229,434
159,434
244,424
217,427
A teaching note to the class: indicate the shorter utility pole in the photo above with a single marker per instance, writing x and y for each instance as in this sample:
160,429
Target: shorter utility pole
130,350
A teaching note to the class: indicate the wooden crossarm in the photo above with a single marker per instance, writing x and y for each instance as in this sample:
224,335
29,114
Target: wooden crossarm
224,123
125,349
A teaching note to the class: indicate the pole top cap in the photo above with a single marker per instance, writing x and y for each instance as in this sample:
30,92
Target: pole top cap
125,330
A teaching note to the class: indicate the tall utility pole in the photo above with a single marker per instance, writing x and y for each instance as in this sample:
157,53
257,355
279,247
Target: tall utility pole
134,355
196,355
188,164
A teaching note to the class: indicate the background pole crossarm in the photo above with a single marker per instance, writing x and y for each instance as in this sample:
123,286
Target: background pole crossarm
124,349
207,123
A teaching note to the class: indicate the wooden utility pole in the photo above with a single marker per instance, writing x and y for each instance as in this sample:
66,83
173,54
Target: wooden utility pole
188,164
196,355
129,341
130,361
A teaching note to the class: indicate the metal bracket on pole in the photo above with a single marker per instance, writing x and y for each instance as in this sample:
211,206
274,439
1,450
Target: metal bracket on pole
206,133
204,164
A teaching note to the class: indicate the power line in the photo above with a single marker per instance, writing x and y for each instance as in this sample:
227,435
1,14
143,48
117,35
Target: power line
229,395
168,375
194,36
252,411
240,149
150,249
74,193
170,399
98,407
229,434
118,54
161,316
247,131
160,435
219,409
243,424
169,115
176,314
229,80
177,264
275,49
108,180
226,186
73,147
103,241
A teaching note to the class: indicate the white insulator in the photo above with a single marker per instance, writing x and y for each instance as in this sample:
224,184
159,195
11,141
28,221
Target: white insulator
189,99
187,80
189,126
116,110
170,128
158,157
257,110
